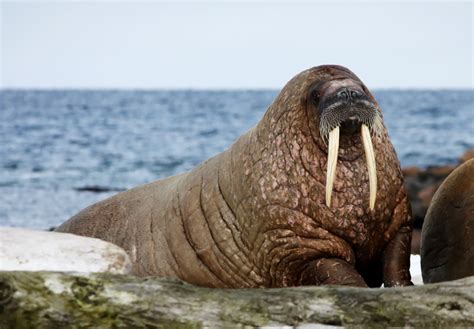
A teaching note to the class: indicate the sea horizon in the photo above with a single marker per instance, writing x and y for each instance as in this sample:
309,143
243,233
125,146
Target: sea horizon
58,144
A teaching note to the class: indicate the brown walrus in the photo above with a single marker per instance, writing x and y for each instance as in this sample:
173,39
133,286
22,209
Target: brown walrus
266,212
447,248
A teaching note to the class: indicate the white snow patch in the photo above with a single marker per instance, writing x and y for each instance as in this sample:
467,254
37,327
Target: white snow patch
415,269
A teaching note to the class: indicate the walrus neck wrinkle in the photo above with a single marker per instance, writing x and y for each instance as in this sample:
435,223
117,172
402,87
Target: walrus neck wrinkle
236,195
279,172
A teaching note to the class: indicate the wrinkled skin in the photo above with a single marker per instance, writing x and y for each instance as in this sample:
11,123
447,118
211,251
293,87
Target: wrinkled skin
255,215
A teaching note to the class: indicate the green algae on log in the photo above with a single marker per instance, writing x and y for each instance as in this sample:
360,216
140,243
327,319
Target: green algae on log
65,300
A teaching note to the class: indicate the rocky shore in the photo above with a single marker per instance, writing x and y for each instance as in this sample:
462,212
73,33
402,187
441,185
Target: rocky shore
421,185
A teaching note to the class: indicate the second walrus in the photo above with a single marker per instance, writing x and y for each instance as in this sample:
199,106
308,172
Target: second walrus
312,195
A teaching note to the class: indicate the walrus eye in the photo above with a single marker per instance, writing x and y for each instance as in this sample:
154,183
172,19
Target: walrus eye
315,97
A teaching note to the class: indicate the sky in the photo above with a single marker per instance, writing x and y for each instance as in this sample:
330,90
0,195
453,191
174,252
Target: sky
225,45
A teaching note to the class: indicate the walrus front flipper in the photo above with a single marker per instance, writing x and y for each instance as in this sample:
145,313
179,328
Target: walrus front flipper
331,271
396,271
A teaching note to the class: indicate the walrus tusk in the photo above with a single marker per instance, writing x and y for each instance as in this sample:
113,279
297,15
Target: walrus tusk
370,158
333,150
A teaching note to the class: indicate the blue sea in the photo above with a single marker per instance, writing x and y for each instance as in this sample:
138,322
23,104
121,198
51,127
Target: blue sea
61,151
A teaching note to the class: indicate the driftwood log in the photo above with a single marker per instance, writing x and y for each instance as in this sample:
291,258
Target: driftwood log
61,300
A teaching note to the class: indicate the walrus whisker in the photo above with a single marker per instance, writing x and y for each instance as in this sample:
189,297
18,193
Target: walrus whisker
333,151
371,166
376,127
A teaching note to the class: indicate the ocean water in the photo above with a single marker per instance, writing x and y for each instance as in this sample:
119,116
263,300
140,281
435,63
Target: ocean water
55,146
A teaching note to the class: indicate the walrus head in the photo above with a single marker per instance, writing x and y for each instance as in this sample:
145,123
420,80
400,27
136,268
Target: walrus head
345,106
341,106
327,114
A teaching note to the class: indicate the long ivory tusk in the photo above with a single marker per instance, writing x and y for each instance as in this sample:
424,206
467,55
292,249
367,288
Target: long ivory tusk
370,158
333,150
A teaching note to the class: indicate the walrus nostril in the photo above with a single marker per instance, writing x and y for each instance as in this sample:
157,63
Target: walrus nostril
343,94
355,94
346,94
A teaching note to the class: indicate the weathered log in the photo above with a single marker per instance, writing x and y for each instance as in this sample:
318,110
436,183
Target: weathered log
61,300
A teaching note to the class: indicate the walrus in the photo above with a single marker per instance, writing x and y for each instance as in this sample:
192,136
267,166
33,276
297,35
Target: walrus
447,249
312,195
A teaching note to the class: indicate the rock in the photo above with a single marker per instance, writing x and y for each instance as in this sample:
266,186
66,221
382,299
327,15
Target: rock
447,249
416,243
468,155
28,250
426,195
439,171
411,171
421,185
98,189
415,184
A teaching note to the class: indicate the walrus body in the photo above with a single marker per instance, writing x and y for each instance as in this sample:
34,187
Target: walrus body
256,216
447,249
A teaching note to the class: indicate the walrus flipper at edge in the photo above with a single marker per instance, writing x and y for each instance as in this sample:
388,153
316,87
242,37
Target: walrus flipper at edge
447,248
313,194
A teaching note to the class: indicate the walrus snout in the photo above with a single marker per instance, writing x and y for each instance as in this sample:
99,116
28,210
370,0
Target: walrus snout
346,108
346,99
341,91
348,94
346,104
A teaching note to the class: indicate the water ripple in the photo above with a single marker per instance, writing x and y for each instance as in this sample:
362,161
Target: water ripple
52,143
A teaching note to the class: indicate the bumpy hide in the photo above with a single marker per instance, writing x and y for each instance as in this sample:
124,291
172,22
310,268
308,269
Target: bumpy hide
256,215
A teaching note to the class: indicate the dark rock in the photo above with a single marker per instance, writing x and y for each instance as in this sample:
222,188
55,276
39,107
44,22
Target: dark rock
422,184
98,189
411,171
440,172
416,242
426,194
468,155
